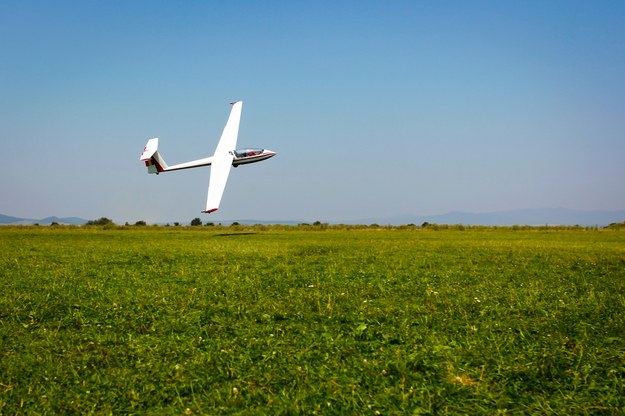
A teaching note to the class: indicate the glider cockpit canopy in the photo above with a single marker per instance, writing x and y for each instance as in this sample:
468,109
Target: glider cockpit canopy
248,152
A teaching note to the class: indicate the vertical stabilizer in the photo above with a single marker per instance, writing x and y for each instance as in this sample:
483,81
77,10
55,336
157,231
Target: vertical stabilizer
153,160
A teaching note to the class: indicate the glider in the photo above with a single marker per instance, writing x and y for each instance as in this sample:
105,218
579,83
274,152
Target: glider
224,157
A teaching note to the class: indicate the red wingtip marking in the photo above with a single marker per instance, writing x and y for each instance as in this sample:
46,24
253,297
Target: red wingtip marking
210,210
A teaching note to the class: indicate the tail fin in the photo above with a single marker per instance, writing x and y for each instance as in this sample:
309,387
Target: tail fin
153,160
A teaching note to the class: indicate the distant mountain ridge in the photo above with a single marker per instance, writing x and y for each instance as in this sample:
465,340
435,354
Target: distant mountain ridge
9,220
544,216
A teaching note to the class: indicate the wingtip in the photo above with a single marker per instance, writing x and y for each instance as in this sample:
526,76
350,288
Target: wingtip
208,211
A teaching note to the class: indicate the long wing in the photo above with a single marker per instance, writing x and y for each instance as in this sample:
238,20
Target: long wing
228,141
222,160
217,183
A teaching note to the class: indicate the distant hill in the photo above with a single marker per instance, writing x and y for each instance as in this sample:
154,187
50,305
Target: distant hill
546,216
9,220
6,219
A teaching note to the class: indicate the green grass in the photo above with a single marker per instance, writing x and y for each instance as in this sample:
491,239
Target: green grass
311,320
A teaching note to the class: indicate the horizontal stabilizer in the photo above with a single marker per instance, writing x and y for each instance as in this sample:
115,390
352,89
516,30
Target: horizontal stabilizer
150,148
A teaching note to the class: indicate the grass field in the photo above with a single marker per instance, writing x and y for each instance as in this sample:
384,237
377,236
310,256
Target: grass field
311,320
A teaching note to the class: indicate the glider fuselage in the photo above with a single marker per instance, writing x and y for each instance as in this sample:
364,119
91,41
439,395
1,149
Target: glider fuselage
241,157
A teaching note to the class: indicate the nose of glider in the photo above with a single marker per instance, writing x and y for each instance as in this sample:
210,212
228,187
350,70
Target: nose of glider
270,153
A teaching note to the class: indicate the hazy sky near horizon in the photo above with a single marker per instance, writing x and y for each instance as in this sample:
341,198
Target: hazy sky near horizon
375,108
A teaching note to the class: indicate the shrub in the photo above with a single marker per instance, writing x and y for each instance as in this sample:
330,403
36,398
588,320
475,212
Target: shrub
100,221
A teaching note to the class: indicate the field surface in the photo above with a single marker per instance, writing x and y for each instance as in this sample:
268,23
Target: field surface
311,320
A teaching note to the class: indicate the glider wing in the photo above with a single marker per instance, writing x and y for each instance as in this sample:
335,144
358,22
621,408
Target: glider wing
222,159
217,183
228,141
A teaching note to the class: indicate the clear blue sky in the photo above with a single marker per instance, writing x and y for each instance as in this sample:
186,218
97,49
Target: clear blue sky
375,108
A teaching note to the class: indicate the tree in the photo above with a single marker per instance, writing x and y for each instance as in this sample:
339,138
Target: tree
196,221
101,221
140,223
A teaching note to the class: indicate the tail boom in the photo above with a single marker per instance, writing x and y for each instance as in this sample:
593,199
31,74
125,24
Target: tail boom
156,164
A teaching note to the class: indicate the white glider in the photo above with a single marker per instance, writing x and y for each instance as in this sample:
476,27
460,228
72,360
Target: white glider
224,157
